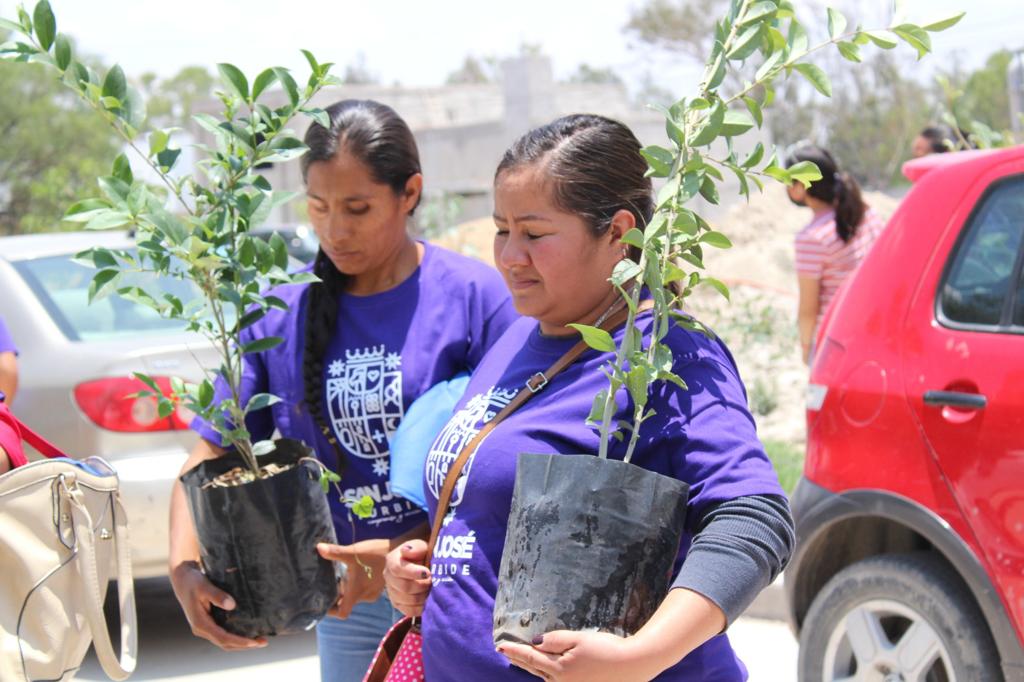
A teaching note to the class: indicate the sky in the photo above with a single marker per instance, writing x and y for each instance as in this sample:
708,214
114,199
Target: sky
418,43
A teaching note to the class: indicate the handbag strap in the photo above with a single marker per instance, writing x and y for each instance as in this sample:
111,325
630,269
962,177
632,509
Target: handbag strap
534,385
116,669
44,446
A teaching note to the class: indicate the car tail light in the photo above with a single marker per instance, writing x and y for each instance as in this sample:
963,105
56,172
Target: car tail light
110,403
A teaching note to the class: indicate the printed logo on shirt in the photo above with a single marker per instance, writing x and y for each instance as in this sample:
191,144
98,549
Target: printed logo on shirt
364,400
461,429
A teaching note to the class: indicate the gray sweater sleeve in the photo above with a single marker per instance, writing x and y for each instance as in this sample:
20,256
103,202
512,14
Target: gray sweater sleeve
740,547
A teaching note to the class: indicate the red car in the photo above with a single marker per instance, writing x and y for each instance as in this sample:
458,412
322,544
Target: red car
910,515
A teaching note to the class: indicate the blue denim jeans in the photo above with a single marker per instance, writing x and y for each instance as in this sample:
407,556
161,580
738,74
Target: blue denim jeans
346,647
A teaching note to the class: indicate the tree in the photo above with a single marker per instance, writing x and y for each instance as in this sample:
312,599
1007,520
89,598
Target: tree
358,73
986,96
474,71
683,26
52,152
585,73
172,101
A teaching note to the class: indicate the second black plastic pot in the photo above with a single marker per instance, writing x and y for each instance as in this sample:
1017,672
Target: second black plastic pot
258,542
590,546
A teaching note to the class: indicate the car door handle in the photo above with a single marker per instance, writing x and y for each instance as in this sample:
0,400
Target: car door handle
964,401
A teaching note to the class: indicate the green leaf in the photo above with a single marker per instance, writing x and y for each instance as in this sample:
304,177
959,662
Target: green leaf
596,338
13,27
673,273
280,250
313,64
45,24
114,84
25,19
285,78
319,115
675,133
736,123
205,393
717,285
709,190
659,160
167,158
746,43
850,51
624,271
597,407
711,126
836,23
85,206
234,79
798,40
363,508
122,169
757,12
716,239
62,52
943,24
916,37
817,78
265,447
108,220
755,110
637,382
263,344
261,400
158,140
883,39
102,282
755,156
804,172
634,238
262,82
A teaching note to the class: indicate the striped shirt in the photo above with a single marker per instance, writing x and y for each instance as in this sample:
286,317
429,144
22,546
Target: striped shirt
822,255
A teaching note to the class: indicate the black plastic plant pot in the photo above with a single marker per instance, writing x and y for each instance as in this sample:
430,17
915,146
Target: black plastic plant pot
590,546
258,542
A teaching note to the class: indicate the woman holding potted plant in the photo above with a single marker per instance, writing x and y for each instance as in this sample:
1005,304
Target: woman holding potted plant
565,195
391,317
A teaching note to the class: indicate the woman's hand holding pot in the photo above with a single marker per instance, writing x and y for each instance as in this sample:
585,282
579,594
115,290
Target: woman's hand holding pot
364,580
408,580
196,595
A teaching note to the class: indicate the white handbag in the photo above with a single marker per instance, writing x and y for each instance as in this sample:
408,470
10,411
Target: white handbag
62,531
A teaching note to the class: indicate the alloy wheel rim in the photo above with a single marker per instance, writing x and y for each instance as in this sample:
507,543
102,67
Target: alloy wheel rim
882,640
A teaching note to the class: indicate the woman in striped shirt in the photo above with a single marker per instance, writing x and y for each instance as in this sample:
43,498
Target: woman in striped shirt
833,244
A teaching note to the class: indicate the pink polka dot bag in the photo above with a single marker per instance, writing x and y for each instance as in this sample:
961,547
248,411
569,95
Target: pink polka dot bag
399,657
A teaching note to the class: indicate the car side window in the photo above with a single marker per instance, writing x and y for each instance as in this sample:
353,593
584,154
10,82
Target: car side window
985,272
1018,312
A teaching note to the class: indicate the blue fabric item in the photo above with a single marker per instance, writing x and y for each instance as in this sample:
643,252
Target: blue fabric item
411,442
346,647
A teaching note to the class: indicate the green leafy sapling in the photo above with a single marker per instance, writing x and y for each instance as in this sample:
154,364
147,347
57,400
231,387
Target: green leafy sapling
206,238
671,245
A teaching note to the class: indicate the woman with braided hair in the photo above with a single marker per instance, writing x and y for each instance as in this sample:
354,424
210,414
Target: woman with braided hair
391,317
831,246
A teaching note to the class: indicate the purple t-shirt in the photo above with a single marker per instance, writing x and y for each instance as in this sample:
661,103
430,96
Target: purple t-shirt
387,349
6,342
704,436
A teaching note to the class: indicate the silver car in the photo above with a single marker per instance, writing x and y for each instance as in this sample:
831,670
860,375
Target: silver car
75,374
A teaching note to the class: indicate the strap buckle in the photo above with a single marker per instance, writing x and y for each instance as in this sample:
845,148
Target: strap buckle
537,382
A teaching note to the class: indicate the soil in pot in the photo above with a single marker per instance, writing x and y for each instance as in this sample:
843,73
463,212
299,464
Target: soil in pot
590,546
258,539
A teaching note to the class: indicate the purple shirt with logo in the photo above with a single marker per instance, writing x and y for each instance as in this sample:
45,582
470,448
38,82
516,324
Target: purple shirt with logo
6,342
704,436
387,349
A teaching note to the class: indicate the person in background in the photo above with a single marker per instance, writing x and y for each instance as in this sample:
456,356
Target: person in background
936,139
831,246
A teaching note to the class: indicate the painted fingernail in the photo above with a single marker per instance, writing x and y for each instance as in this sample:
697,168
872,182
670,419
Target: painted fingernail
500,650
538,640
407,548
424,573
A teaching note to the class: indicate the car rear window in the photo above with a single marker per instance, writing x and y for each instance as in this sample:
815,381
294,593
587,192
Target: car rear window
62,287
985,275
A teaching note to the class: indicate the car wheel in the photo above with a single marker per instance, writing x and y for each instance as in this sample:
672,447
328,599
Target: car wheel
896,618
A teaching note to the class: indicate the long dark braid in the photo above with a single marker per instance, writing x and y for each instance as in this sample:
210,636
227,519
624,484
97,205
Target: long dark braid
321,320
377,136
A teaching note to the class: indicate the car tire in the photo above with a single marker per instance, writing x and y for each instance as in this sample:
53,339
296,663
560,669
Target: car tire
895,618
